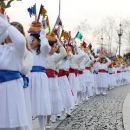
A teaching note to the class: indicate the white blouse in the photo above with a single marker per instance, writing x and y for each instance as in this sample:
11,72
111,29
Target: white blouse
11,55
53,60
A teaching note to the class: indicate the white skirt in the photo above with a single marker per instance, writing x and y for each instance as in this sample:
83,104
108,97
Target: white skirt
82,81
40,96
12,105
28,108
55,96
66,92
73,84
89,82
103,80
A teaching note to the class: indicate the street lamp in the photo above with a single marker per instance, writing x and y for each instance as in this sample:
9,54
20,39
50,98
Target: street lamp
102,40
120,33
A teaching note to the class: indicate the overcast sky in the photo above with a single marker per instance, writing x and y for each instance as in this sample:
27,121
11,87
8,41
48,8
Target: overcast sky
72,11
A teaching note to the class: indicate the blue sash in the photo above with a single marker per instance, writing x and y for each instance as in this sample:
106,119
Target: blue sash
38,69
95,72
26,81
8,75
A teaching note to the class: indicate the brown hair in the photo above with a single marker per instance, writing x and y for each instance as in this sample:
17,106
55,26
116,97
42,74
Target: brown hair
19,26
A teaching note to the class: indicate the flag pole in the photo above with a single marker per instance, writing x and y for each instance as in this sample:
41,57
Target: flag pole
59,8
58,14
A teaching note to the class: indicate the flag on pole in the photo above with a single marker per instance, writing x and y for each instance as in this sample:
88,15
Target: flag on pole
65,35
84,44
48,24
90,46
32,10
42,12
79,36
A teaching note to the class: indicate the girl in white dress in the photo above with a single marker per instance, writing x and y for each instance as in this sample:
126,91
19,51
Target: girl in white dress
52,61
13,107
40,96
64,85
26,68
103,76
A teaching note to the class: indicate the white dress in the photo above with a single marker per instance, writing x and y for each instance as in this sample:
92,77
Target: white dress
103,77
55,95
89,78
96,81
13,107
64,85
26,68
73,79
40,96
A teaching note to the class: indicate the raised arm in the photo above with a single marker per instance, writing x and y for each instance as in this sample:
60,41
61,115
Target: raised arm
45,48
16,37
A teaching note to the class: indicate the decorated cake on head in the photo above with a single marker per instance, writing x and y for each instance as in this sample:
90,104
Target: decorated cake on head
36,25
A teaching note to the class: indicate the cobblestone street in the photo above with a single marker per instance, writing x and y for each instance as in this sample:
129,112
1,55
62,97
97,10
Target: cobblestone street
99,113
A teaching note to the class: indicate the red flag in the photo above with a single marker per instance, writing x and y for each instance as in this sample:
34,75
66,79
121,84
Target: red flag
90,46
84,44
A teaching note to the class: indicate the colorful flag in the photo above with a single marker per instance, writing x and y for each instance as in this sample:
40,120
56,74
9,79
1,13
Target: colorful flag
65,35
42,12
48,24
90,46
84,44
32,10
79,35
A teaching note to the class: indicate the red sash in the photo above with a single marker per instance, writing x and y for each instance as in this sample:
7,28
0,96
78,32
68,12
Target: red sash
51,73
118,71
103,71
80,72
61,73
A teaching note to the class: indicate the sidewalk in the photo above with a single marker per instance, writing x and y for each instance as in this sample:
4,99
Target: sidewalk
126,112
53,125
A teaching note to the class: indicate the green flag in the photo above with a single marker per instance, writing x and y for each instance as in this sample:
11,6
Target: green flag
79,35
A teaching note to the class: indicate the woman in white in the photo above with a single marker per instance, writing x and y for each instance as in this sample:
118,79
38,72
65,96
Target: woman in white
26,68
53,59
103,75
13,108
73,76
40,97
64,85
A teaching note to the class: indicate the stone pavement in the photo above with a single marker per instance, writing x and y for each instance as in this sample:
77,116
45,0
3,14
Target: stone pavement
98,113
126,112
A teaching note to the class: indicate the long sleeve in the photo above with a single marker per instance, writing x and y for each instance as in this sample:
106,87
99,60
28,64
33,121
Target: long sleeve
27,62
61,55
17,39
3,29
45,48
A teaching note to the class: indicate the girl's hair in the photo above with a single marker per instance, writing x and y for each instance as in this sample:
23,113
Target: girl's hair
37,36
19,26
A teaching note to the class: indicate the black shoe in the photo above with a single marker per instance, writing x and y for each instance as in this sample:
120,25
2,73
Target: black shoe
68,115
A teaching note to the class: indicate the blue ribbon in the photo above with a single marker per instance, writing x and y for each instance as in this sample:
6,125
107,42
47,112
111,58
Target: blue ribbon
95,72
39,69
8,75
26,81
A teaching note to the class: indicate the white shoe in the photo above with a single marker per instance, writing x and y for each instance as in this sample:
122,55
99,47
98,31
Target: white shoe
53,119
104,93
48,126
